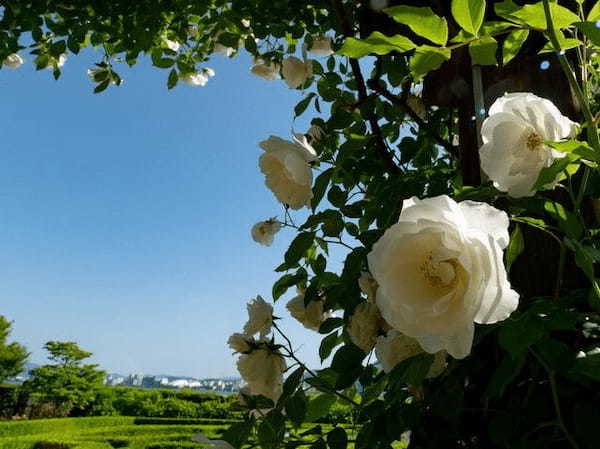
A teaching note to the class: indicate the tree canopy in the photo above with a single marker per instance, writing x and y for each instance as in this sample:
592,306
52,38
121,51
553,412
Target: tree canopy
12,355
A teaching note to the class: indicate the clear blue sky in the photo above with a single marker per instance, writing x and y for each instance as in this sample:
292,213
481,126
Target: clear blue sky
125,217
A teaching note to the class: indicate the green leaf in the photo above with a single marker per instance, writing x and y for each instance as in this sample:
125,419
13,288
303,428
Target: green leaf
292,382
337,439
102,86
298,247
377,43
296,408
483,51
272,431
327,345
515,247
512,45
563,43
594,14
159,61
422,21
319,406
58,48
412,370
589,366
287,281
534,15
238,433
567,221
173,79
303,104
347,358
520,332
320,187
426,59
591,31
549,175
576,147
330,324
508,369
469,14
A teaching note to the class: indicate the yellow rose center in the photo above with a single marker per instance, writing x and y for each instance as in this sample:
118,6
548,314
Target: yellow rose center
533,141
439,274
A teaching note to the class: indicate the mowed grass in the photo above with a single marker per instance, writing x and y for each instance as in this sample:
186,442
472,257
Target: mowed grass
118,432
106,433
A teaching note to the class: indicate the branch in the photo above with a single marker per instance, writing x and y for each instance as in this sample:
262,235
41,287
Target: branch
381,147
401,103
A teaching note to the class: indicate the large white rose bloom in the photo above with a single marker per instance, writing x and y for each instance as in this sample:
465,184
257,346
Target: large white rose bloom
239,342
263,232
13,61
394,347
287,172
262,370
267,71
311,316
513,151
296,71
321,46
212,444
260,317
440,269
364,325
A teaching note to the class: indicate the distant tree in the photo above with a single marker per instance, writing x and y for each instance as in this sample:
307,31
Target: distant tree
67,385
12,355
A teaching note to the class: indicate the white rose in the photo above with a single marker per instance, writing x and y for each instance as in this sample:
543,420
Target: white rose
513,151
172,45
214,444
13,61
264,231
296,72
311,316
59,62
238,343
260,317
286,169
262,370
364,325
268,71
440,269
368,285
198,78
321,46
394,347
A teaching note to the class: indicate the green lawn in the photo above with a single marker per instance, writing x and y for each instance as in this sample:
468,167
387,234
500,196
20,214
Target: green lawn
114,433
106,433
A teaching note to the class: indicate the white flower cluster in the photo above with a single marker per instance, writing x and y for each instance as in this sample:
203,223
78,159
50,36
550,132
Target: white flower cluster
295,71
259,364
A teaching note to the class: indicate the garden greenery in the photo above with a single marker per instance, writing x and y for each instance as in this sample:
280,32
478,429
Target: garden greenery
454,158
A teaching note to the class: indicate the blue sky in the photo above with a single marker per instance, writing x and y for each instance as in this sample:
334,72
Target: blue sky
125,217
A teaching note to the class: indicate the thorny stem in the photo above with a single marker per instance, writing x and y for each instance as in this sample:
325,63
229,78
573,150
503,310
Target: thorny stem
555,399
290,354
